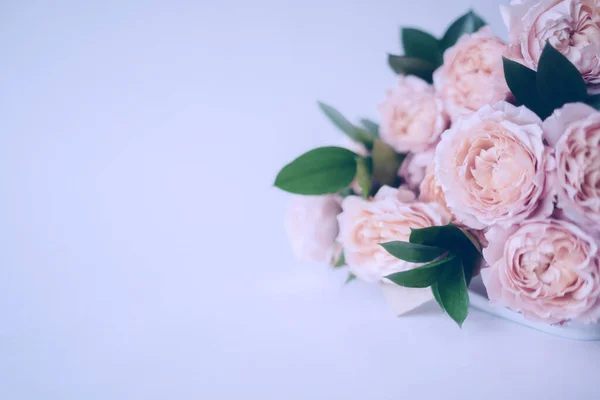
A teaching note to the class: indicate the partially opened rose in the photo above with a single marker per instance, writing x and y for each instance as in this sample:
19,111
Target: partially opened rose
574,132
412,116
548,270
472,74
389,216
570,26
311,225
492,167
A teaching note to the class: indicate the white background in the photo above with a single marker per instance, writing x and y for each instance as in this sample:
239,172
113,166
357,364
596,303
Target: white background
142,253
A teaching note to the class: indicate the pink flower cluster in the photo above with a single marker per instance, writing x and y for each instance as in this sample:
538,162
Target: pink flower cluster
530,189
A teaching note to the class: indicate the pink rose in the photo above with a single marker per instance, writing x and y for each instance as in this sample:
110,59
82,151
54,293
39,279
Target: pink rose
413,168
389,216
430,191
412,116
311,225
492,167
549,270
570,26
472,74
574,133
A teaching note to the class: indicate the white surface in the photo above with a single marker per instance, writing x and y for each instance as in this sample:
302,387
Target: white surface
142,249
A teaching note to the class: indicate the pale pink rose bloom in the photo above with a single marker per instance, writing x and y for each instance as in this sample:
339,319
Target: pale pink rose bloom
574,133
412,116
472,74
548,270
492,167
388,217
413,168
570,26
430,191
312,227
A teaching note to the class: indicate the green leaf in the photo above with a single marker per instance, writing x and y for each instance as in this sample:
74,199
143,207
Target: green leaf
350,278
340,261
412,66
371,127
345,192
474,241
468,23
412,252
353,132
453,239
320,171
423,276
436,295
448,237
452,290
522,82
558,81
364,170
420,44
594,101
386,163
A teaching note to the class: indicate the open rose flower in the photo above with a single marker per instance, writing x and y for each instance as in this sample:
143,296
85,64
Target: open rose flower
413,168
548,270
492,167
412,116
389,216
574,132
570,26
311,225
472,74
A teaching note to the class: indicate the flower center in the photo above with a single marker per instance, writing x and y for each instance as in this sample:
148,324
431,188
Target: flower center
498,166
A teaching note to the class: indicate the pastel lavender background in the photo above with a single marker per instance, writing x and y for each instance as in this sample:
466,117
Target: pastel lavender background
142,254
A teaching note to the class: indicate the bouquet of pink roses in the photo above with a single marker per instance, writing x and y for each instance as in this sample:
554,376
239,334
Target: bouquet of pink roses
486,161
